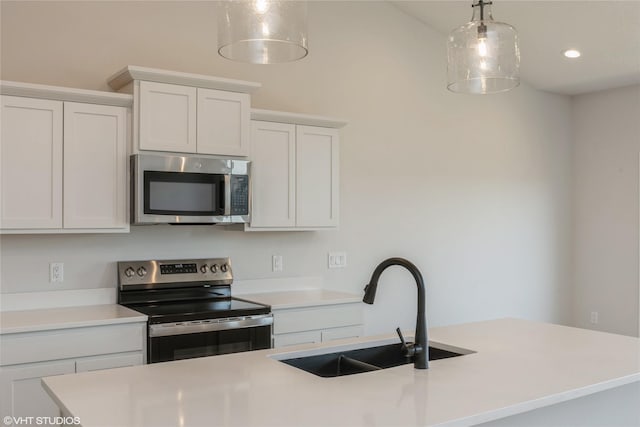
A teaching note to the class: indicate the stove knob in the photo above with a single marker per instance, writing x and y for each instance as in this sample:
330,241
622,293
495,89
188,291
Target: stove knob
203,269
224,268
129,272
142,271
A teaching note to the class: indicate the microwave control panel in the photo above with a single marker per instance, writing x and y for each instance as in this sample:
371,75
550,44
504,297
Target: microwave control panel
239,194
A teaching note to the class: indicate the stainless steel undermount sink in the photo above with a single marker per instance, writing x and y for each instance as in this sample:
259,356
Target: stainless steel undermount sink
359,360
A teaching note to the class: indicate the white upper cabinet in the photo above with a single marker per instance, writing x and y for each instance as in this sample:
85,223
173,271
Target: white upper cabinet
317,174
64,163
273,174
31,163
187,113
295,171
167,117
95,166
223,123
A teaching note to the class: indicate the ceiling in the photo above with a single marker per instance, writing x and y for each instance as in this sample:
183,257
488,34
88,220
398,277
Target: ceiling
606,32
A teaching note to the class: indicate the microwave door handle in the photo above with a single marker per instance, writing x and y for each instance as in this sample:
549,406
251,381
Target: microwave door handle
227,195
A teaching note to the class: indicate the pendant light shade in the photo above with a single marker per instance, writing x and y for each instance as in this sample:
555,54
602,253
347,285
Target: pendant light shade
262,31
483,55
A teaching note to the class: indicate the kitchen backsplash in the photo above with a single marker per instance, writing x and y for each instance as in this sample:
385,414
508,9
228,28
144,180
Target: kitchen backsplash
90,260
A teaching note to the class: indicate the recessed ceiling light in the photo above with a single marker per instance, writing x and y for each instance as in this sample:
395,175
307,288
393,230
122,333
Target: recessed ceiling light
571,53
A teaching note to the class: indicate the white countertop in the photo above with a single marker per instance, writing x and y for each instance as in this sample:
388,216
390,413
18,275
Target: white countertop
518,366
12,322
105,314
301,298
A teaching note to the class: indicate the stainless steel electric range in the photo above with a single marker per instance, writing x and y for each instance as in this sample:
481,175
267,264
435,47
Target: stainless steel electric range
190,308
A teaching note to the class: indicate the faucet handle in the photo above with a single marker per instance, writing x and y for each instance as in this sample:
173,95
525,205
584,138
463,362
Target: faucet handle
399,332
408,348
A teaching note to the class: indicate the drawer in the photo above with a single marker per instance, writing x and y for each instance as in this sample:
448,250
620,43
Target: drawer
107,362
341,333
71,343
307,337
323,317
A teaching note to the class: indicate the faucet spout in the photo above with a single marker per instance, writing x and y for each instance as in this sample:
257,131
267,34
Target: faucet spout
420,347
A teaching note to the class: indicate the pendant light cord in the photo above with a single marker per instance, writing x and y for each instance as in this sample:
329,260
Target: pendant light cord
482,28
482,3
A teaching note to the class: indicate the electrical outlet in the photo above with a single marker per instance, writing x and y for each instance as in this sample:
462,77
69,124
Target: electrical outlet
337,259
56,272
594,317
276,263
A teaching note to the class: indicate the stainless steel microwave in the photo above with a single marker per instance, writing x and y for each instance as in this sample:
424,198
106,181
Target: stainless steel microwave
184,189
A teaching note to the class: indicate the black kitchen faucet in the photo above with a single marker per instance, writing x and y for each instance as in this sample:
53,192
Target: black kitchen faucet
420,348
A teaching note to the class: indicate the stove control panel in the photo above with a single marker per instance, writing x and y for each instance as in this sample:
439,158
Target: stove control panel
179,268
151,273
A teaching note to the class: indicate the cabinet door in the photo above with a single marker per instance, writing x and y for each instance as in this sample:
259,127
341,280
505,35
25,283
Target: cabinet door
301,319
95,166
31,163
223,123
317,174
167,117
273,174
21,392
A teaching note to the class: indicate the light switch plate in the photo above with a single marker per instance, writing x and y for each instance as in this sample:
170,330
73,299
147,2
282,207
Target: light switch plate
337,259
276,263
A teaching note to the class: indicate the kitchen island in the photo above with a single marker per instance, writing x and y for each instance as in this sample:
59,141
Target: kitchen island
517,367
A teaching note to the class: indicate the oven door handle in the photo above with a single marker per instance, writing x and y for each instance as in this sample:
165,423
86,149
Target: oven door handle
211,325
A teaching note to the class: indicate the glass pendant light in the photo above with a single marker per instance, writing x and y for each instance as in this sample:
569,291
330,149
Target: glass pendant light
262,31
483,55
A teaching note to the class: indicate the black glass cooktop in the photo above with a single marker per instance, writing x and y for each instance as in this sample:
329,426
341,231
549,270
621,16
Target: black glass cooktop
181,311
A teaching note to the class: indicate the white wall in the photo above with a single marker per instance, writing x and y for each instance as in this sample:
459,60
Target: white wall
474,190
606,155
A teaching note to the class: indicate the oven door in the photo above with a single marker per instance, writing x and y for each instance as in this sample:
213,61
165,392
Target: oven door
184,195
186,340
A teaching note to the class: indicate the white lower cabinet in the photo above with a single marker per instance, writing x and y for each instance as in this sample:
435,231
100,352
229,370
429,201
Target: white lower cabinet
25,358
305,325
21,392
